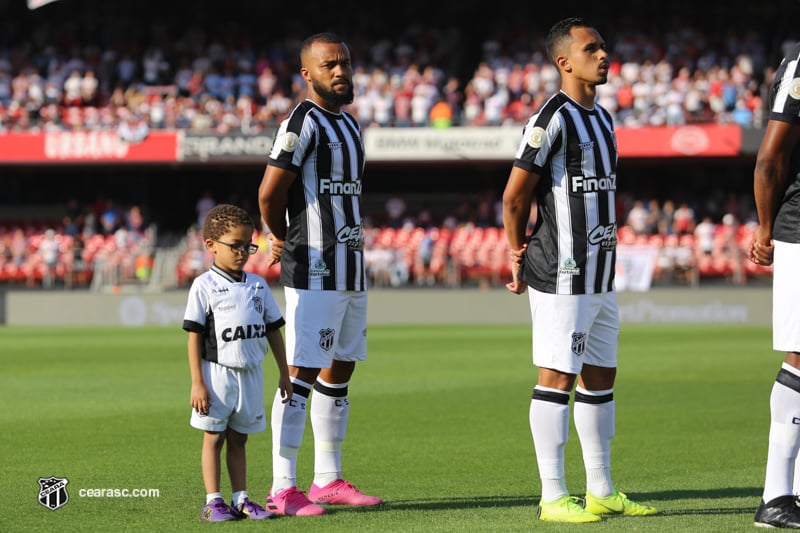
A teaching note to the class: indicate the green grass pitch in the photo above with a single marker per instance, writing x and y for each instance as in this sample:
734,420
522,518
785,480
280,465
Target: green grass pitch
438,428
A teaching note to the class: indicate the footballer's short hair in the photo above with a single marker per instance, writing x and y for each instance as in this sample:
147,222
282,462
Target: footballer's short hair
559,33
222,218
324,37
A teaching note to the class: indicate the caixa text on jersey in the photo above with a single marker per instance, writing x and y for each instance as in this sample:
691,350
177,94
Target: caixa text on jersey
247,331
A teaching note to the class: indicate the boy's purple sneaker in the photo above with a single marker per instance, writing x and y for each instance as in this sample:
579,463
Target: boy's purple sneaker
341,492
292,502
253,511
218,511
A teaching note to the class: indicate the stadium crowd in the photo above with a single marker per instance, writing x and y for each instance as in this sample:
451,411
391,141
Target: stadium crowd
138,72
192,78
689,242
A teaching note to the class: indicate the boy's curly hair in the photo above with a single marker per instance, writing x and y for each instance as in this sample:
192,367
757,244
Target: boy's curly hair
222,218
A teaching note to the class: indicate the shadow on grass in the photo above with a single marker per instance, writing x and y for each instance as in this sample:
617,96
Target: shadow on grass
461,503
704,494
692,494
649,497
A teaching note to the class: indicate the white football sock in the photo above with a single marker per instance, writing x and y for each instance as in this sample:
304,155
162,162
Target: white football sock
212,496
549,420
239,497
796,479
330,411
595,422
784,433
288,426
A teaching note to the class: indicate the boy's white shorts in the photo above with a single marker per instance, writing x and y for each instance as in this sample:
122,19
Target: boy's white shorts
237,399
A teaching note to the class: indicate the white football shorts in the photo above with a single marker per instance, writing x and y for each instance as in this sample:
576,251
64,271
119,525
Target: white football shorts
572,330
323,326
236,399
785,294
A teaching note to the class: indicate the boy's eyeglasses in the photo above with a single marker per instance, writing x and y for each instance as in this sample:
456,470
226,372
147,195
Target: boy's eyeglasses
248,249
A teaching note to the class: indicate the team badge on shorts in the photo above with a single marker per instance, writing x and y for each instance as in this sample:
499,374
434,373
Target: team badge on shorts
326,338
578,343
53,492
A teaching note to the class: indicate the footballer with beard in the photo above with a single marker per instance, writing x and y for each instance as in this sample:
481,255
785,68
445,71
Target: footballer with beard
310,199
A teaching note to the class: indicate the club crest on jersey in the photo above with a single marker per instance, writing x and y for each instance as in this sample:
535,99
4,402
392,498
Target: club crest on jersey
53,492
569,267
578,343
326,338
258,304
319,269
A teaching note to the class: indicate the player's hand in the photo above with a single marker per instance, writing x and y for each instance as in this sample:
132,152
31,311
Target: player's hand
518,256
286,388
516,285
276,246
762,248
200,399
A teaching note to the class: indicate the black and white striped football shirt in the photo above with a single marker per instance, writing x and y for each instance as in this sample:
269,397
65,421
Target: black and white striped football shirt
784,105
574,151
324,247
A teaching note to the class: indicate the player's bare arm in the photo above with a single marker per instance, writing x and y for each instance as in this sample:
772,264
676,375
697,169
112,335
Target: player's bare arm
278,348
273,195
770,182
516,211
198,397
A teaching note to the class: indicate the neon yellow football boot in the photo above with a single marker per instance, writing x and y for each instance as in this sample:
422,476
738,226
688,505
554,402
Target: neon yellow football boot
617,504
565,509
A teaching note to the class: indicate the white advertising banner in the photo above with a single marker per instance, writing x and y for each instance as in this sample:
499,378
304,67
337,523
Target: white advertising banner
635,266
451,144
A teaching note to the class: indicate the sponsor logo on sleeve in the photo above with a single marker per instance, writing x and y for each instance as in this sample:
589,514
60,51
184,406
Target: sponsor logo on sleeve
794,89
288,141
536,138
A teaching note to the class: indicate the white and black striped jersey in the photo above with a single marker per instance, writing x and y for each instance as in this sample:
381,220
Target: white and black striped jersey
784,105
572,249
324,247
233,317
